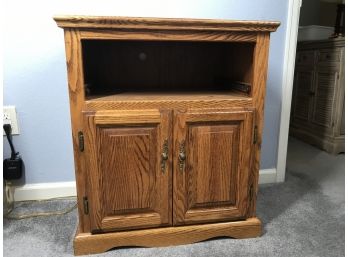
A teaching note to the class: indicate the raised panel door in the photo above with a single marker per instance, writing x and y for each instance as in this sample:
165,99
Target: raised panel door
130,182
212,158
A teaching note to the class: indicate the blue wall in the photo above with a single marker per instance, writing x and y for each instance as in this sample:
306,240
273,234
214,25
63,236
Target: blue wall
35,78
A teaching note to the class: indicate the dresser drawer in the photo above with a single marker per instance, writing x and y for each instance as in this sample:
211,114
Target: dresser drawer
329,56
305,58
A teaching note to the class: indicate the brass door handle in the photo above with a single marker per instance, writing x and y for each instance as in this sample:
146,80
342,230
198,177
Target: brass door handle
182,155
164,155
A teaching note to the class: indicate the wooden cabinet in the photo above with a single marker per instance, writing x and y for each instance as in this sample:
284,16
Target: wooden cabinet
318,97
166,123
211,183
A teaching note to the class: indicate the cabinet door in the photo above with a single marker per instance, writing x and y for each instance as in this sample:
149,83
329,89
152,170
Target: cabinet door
211,163
303,94
324,99
129,180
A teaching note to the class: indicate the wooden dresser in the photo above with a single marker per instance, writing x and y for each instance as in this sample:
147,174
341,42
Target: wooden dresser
317,115
167,118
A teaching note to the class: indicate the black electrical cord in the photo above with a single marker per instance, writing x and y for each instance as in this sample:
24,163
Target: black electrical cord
8,184
8,131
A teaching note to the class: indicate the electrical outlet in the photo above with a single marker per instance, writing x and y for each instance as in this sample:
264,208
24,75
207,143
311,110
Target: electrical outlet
10,117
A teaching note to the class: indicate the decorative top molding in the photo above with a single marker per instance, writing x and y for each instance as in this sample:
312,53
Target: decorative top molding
108,22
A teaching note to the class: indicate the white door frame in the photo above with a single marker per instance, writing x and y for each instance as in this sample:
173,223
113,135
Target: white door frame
287,83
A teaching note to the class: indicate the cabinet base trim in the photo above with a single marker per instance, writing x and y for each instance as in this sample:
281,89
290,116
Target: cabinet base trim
332,145
86,243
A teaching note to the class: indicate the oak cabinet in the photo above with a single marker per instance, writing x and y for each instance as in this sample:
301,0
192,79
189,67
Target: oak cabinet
167,118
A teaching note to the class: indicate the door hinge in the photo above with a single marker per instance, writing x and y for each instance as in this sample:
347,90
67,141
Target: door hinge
251,192
81,141
255,135
85,205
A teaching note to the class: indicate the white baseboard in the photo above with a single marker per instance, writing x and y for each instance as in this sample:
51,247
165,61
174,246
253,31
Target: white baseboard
42,191
268,176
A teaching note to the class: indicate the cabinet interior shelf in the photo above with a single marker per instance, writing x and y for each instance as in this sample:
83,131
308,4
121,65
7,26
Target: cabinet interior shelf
171,96
164,99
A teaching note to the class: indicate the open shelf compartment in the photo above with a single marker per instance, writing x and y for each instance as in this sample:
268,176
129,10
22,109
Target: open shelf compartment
122,69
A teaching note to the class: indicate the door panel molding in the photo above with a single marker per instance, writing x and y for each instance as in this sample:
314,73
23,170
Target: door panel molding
128,188
213,186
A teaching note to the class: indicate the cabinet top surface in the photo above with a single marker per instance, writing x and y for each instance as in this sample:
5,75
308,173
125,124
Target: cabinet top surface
112,22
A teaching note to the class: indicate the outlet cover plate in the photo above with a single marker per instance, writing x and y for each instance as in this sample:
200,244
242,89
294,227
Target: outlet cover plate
10,117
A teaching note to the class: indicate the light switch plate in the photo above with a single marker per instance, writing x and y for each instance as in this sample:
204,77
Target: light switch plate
10,117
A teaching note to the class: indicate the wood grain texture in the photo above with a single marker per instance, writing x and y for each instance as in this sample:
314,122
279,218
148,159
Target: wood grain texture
200,95
212,151
105,117
128,188
85,243
105,22
258,95
76,94
213,186
169,100
170,35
